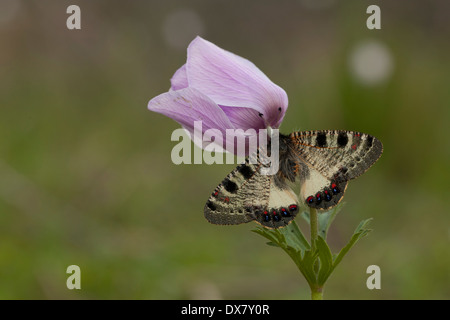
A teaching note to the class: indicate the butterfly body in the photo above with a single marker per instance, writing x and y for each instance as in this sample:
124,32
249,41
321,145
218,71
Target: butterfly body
322,161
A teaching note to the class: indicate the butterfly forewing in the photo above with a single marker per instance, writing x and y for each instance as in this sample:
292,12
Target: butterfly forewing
246,195
239,196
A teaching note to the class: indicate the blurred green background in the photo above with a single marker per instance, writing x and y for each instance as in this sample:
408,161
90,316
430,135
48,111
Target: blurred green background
85,171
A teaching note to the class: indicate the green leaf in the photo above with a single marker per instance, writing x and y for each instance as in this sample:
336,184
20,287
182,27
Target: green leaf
294,237
273,244
305,215
306,264
268,235
326,260
290,236
326,218
359,233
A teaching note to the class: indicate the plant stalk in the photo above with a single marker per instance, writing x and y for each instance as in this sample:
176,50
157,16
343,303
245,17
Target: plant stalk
316,291
314,224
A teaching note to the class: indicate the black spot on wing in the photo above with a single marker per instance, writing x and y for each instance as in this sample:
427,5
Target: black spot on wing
321,139
342,139
246,171
229,185
369,142
211,205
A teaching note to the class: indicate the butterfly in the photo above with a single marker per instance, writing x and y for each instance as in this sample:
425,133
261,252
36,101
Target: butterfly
322,160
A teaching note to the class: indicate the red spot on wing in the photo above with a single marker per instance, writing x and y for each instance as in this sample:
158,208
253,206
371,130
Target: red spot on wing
354,147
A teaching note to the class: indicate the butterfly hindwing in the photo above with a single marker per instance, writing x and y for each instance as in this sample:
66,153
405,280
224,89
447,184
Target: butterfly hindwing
246,195
282,207
327,159
318,191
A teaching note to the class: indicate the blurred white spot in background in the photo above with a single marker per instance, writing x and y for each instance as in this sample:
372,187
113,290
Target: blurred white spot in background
371,63
8,10
318,4
181,27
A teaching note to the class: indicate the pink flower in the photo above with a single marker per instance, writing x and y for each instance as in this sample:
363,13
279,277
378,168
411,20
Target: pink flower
222,90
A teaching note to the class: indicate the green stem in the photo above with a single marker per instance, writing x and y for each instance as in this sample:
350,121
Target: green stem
316,293
314,223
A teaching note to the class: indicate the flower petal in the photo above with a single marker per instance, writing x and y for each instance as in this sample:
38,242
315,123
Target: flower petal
244,118
189,105
179,79
233,81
